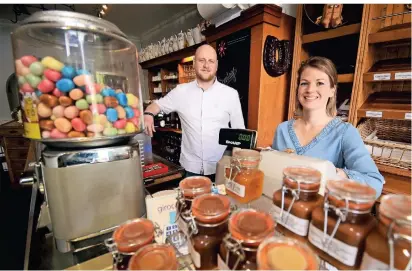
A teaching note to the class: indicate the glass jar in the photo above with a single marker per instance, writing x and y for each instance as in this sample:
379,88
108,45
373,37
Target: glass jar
78,79
207,227
189,188
154,257
338,230
295,201
283,253
129,238
247,229
244,179
388,247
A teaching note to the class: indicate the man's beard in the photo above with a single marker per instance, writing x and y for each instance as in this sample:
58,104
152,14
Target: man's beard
205,78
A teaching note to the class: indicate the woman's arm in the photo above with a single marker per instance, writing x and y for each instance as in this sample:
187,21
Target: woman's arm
358,163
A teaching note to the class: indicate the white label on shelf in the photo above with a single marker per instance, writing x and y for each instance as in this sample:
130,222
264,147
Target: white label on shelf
194,254
342,252
403,75
370,263
221,265
295,224
182,225
236,188
374,114
328,266
408,116
381,76
5,168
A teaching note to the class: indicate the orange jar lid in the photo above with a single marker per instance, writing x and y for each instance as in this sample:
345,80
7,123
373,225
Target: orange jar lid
282,253
154,257
133,234
359,196
396,208
194,186
251,226
247,158
211,208
306,178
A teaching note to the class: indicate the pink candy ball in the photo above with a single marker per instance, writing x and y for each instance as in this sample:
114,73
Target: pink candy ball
99,108
26,88
45,134
120,124
28,60
56,92
52,75
136,112
78,125
45,86
71,112
58,111
135,121
57,134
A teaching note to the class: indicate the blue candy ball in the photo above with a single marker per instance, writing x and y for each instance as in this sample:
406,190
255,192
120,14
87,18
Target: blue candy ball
129,112
122,98
111,114
68,72
38,93
108,92
82,71
65,85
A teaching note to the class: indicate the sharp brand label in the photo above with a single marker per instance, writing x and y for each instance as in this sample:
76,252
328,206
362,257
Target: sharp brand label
233,142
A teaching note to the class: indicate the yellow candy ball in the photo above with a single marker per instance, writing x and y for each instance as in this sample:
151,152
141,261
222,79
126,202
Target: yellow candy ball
52,63
130,128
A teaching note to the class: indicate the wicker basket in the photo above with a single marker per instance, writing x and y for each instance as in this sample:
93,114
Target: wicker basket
388,141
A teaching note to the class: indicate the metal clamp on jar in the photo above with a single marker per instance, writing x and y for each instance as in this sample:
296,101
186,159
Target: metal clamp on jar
338,232
244,180
207,221
189,188
295,201
388,247
247,229
129,238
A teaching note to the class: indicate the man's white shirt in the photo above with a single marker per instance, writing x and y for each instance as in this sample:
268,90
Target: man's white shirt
202,115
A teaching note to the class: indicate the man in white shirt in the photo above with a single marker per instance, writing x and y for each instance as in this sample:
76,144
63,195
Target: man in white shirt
204,107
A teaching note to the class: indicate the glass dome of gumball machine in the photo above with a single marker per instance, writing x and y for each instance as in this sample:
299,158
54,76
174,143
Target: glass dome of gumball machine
80,95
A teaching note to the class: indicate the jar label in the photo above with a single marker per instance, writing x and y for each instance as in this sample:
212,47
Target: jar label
342,252
235,188
194,254
221,265
182,225
370,263
327,266
295,224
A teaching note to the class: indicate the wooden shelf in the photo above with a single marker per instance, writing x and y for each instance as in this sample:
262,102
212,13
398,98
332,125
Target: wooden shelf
394,170
332,33
390,35
174,56
395,184
345,78
387,105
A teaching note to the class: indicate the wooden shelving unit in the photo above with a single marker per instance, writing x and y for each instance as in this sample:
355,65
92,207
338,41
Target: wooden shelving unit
345,78
390,36
332,33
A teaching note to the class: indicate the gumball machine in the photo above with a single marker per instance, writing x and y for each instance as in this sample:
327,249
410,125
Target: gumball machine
80,95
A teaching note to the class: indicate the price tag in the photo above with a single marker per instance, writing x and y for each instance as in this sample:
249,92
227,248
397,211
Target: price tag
374,114
403,75
381,76
408,116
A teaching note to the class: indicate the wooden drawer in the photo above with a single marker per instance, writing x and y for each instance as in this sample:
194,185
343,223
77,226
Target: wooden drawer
17,154
18,132
17,143
17,164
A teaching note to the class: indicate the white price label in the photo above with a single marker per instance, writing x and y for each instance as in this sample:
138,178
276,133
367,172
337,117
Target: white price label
381,76
295,224
408,116
374,114
403,75
328,266
235,188
342,252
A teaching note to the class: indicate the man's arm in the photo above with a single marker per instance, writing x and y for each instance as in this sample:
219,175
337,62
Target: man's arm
236,115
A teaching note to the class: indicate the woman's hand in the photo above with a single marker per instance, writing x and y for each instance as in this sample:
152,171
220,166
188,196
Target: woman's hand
341,173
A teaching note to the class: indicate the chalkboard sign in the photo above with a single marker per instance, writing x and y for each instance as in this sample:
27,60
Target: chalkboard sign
233,54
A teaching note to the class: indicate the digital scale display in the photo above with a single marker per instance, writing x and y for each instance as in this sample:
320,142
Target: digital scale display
241,138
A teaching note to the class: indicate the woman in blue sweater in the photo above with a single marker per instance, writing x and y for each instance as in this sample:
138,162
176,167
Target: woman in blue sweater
319,133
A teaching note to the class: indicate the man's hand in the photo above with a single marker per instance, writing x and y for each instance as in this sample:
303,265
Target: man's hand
149,125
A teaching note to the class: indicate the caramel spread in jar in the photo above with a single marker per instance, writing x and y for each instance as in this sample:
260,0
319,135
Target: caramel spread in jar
154,257
338,230
295,201
388,246
247,229
282,253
